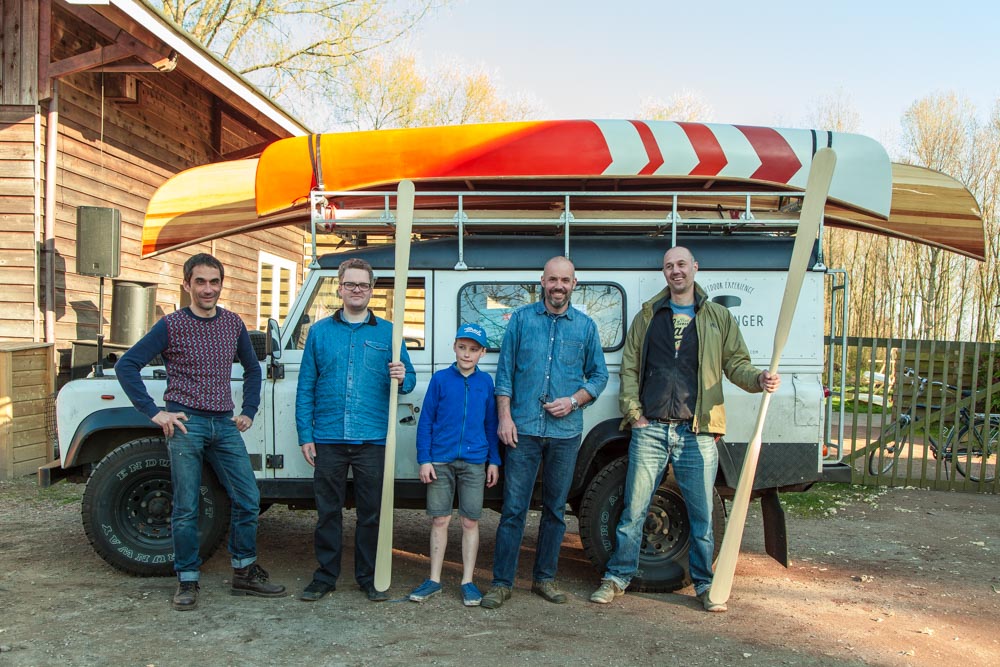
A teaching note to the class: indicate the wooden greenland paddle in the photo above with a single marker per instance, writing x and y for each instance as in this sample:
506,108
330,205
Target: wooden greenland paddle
404,225
817,188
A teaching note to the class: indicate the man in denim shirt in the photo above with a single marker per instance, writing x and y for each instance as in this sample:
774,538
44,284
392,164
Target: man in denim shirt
342,416
551,364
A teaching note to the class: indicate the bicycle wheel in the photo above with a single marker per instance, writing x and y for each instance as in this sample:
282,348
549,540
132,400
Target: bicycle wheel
892,442
976,456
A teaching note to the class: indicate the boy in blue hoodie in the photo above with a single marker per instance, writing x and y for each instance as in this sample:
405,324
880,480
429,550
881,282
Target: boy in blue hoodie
457,449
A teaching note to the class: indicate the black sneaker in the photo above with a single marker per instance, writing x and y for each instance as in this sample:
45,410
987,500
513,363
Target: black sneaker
186,596
254,580
375,595
316,590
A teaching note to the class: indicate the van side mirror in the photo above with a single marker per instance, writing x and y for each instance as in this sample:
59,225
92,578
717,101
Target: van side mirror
273,338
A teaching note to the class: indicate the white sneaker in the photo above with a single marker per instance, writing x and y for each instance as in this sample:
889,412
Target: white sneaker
608,591
714,607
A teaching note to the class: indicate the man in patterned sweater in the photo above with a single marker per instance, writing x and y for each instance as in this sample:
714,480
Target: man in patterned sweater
198,345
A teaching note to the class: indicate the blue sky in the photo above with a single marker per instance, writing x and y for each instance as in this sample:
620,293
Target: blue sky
764,63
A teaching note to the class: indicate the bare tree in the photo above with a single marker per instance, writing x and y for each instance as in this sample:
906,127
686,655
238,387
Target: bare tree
460,95
393,91
386,92
834,112
682,106
905,289
290,48
941,132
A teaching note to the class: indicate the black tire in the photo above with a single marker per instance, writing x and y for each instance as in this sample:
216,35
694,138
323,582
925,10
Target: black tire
663,558
976,457
126,509
892,442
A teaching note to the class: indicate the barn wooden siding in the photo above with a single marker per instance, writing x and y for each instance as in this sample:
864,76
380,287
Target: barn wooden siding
111,153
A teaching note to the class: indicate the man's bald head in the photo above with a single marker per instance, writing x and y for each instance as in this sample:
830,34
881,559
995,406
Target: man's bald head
558,263
679,251
680,268
558,283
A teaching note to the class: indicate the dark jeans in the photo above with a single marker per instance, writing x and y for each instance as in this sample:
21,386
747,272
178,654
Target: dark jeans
557,458
217,441
330,483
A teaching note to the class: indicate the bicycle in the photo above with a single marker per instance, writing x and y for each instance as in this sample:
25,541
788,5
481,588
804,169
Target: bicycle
968,444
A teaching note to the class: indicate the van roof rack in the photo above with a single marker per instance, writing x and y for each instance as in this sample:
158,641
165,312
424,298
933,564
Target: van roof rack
354,215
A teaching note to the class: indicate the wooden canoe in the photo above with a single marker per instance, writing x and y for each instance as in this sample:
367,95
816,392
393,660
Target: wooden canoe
608,156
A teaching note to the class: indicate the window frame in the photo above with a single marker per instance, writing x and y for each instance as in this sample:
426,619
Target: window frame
580,284
280,263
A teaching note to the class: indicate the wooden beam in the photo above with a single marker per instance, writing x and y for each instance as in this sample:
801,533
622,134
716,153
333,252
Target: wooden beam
246,120
44,49
114,32
215,126
106,27
85,61
249,151
126,68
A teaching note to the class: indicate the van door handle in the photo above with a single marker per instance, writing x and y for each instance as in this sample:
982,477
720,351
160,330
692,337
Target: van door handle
406,420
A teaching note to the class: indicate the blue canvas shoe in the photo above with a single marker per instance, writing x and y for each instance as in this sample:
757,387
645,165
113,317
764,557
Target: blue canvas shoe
425,590
471,595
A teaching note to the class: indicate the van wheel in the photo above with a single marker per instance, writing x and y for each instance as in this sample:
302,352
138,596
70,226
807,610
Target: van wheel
663,557
127,504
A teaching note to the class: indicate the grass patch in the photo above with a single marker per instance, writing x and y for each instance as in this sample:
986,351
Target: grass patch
63,493
26,490
854,405
827,498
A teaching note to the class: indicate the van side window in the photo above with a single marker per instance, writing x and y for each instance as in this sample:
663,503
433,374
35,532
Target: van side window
490,304
325,301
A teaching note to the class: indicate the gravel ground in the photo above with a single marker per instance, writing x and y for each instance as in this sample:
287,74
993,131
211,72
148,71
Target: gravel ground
905,577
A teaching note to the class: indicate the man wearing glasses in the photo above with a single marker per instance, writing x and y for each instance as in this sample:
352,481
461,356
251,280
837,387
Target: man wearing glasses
551,364
342,414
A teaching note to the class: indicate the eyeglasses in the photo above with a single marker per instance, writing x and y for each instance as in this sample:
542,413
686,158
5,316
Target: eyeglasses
356,287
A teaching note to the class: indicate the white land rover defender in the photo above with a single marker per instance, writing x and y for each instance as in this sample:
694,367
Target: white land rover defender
480,278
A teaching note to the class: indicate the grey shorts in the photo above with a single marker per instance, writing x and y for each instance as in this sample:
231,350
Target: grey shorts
470,478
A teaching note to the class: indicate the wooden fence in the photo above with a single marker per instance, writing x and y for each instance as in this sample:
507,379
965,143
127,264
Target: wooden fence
928,411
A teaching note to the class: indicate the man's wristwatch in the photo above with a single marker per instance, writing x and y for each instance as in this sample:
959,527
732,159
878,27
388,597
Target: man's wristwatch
573,402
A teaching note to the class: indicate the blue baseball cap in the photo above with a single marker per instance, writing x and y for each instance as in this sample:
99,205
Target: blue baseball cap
472,332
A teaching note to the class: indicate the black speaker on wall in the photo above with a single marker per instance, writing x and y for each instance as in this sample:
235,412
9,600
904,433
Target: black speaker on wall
98,241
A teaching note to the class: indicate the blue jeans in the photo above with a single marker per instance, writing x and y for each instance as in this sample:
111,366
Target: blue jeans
695,461
367,462
558,459
215,440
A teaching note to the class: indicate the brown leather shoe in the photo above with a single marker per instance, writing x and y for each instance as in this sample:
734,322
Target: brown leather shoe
548,591
186,596
253,580
495,597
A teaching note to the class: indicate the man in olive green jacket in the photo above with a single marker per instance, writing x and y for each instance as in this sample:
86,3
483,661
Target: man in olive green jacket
678,349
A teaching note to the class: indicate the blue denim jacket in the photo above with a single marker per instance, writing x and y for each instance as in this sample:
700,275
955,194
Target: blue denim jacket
343,389
545,356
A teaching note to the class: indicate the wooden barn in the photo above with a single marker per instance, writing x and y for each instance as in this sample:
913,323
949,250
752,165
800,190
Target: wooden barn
101,101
